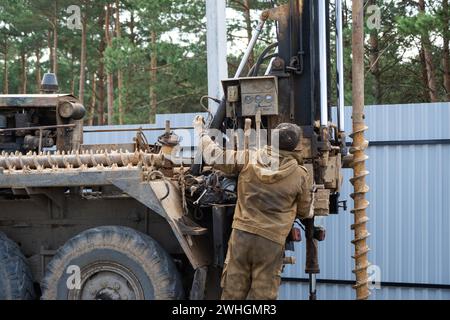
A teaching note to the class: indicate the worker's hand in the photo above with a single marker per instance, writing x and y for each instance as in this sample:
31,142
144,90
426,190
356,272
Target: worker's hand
198,124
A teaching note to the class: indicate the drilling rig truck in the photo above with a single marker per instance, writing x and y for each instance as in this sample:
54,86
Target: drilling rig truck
123,222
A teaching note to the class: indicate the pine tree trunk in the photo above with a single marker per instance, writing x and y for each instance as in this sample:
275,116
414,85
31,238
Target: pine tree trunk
109,76
248,24
55,51
72,64
50,48
426,46
5,69
346,40
119,72
132,33
91,113
153,79
38,70
55,40
430,71
446,51
23,72
82,61
101,94
345,15
119,89
101,77
374,56
425,93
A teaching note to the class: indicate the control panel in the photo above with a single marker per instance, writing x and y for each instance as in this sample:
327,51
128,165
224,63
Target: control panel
248,96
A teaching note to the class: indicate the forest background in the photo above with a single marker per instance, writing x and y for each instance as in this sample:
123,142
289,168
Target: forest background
128,60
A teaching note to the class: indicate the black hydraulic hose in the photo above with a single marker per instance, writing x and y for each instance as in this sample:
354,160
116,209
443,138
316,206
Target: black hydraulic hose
262,57
255,69
219,116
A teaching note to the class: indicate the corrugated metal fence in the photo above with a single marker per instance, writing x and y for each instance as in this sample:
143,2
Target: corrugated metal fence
409,210
410,206
179,120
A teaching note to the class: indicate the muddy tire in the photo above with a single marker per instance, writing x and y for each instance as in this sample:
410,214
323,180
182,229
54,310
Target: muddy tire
111,263
16,281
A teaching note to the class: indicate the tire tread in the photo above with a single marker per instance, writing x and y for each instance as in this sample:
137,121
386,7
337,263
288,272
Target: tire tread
154,259
15,272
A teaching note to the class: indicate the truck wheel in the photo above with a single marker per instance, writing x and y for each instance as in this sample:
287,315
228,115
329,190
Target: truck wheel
111,263
16,281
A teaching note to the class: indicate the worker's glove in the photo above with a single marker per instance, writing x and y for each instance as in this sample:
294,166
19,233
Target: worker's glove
198,124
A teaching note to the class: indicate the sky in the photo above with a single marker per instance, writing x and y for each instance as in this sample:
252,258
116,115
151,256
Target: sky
236,47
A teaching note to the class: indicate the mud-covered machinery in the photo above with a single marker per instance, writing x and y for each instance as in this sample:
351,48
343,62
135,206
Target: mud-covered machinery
137,221
42,121
296,88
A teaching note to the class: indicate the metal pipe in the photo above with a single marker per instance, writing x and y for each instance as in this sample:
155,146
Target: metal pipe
250,47
167,127
40,140
340,67
312,286
269,67
323,64
135,129
38,128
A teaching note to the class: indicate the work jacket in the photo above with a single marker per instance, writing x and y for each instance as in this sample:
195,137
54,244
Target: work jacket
273,188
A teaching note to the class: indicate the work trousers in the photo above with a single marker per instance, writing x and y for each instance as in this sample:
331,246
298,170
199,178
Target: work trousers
252,268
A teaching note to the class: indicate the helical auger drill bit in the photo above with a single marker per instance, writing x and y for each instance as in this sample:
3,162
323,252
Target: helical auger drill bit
360,144
83,159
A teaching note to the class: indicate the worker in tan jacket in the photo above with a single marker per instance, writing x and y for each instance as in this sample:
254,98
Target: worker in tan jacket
268,201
